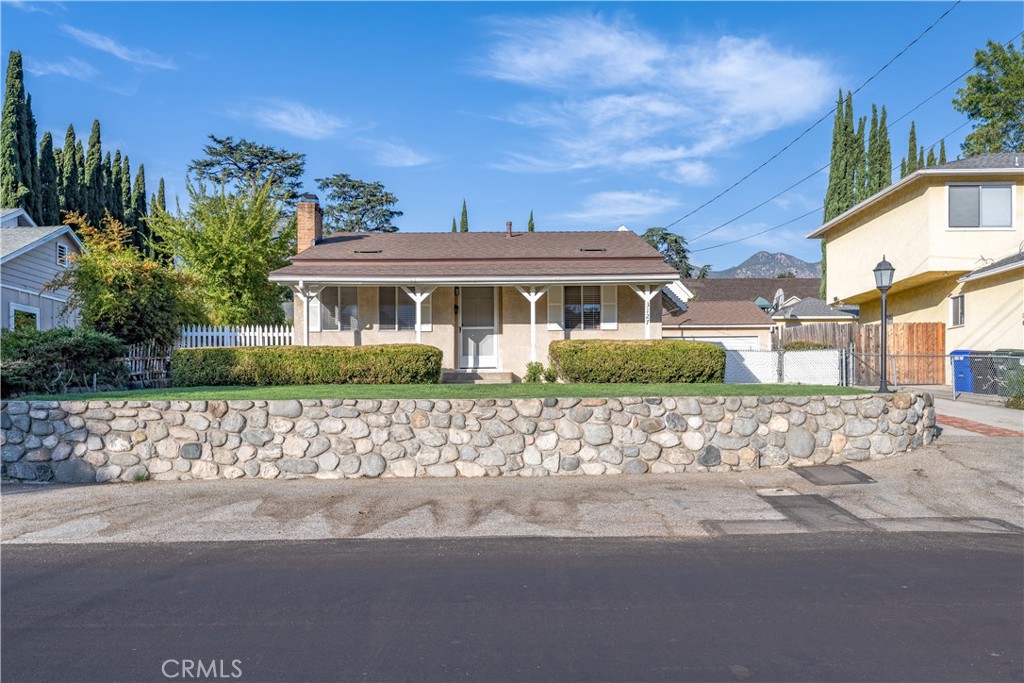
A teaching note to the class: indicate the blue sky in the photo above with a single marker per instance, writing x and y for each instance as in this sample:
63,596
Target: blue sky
593,115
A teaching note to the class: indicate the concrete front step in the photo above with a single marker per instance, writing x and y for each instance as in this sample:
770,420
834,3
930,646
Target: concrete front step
466,377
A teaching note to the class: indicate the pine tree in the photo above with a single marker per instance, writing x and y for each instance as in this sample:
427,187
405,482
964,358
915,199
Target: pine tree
454,227
14,189
126,192
529,224
49,201
942,151
884,178
464,223
114,192
931,158
140,236
70,201
33,162
93,181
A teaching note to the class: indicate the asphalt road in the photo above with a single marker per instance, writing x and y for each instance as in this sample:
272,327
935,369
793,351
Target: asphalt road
838,606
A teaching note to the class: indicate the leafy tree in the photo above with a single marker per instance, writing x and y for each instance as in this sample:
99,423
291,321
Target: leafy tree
703,272
464,221
14,186
228,243
49,202
993,99
353,205
529,225
93,181
245,164
672,247
785,276
120,292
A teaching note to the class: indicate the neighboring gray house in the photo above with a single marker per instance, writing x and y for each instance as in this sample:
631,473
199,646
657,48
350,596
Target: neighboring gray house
31,256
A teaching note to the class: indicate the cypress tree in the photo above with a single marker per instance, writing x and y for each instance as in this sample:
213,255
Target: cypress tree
920,158
49,201
912,150
860,167
108,183
70,182
114,192
931,158
33,162
454,228
884,179
93,181
903,167
161,198
14,190
529,225
464,223
837,173
942,151
140,236
126,192
873,160
82,184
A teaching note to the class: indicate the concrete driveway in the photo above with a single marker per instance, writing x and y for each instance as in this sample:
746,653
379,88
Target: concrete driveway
971,483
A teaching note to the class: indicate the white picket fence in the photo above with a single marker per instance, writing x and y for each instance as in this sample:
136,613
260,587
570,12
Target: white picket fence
204,336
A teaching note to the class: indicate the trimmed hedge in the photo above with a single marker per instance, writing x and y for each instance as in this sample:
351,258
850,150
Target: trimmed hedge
644,362
52,361
805,346
288,365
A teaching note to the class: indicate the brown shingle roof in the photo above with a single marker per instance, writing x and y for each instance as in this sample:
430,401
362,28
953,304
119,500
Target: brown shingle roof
716,313
749,288
446,255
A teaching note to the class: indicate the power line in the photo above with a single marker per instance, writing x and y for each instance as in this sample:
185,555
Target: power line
812,211
816,123
816,172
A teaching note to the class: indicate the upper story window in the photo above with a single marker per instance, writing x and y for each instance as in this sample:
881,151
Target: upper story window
956,311
339,309
62,255
980,206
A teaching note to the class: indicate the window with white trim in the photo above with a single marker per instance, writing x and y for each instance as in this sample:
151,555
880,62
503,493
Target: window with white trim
339,309
62,255
582,308
23,317
980,206
397,311
956,311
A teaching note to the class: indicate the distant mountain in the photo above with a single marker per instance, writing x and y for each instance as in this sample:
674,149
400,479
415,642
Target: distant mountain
764,264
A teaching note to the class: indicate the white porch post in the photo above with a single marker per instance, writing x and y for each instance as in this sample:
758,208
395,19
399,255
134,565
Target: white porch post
533,296
304,293
418,297
647,293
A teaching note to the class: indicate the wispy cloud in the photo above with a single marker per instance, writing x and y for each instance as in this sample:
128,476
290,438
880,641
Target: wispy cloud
296,119
137,56
620,206
396,155
41,7
610,94
70,67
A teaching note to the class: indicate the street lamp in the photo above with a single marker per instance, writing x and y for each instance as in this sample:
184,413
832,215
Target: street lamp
883,281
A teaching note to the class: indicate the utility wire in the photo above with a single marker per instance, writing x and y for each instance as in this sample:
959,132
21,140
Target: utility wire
816,172
816,123
812,211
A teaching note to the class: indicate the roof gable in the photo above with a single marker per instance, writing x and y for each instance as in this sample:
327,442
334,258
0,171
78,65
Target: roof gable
15,241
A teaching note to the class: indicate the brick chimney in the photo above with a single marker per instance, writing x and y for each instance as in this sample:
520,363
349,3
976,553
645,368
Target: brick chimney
310,222
508,228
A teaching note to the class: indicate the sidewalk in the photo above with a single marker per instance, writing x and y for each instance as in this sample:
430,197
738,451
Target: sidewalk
963,418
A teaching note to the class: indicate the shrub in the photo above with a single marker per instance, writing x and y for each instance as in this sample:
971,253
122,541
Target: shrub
53,360
804,346
660,361
551,374
533,372
285,365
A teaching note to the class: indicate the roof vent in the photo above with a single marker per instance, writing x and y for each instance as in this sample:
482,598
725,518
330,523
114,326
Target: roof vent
592,249
368,251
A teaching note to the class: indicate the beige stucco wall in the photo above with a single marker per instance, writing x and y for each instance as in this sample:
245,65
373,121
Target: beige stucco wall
993,310
764,335
910,228
513,326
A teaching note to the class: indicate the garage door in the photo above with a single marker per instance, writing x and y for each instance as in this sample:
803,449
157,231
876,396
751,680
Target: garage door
732,343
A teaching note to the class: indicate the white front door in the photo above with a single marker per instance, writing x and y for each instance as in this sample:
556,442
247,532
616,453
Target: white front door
478,338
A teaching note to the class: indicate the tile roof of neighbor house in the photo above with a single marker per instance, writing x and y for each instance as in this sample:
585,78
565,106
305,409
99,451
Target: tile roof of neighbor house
1003,264
717,314
14,240
811,308
480,254
750,288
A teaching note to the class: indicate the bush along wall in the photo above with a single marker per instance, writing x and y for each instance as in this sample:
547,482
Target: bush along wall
53,361
288,365
655,362
101,441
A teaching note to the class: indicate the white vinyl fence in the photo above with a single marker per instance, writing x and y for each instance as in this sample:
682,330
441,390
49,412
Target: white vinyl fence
826,367
204,336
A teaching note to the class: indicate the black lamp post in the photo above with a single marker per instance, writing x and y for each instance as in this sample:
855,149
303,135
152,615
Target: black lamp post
883,281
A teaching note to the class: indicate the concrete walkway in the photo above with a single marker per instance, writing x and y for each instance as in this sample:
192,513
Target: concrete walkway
972,483
963,418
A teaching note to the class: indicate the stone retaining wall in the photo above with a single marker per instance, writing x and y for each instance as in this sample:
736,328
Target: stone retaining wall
101,441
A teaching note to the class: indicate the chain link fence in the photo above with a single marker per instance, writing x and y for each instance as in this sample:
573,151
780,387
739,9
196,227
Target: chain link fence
992,373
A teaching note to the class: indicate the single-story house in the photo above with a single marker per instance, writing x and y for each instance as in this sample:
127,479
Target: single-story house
812,310
491,301
31,256
734,325
953,233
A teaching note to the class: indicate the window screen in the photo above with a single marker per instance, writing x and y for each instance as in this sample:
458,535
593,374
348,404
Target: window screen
956,311
582,308
397,310
964,206
995,206
984,206
339,308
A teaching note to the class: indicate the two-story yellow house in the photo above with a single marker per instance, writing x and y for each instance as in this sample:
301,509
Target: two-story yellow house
954,234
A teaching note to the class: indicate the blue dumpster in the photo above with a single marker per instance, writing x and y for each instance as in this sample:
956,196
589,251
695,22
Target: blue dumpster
963,378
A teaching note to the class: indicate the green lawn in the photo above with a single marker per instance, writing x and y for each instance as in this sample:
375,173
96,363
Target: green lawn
450,391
